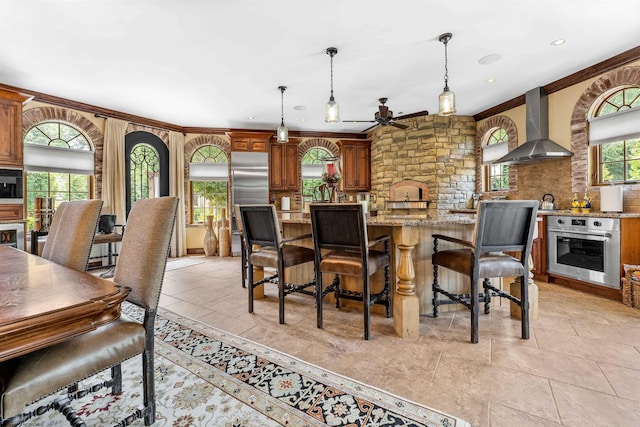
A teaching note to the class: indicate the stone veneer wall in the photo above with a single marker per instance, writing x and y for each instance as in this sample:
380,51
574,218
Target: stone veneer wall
436,150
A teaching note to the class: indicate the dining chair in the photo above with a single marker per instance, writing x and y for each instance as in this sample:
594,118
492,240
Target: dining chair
342,248
265,247
243,246
141,267
500,248
72,232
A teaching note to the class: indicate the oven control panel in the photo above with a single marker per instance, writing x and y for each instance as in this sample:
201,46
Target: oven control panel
585,224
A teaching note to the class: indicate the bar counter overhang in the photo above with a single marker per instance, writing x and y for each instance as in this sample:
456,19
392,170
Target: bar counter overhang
411,250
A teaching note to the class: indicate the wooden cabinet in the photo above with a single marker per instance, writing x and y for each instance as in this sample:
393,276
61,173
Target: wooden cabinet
11,212
11,128
539,250
247,141
629,242
284,167
356,165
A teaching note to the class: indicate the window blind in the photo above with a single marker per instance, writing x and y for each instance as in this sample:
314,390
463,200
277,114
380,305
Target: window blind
311,171
492,152
44,158
618,126
207,171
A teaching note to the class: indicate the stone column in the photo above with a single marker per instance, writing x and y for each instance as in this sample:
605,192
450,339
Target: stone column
406,305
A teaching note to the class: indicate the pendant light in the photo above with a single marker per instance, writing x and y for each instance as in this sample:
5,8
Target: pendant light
282,131
332,109
447,99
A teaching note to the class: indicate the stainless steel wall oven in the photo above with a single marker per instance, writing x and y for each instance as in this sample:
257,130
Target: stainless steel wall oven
585,248
12,234
11,185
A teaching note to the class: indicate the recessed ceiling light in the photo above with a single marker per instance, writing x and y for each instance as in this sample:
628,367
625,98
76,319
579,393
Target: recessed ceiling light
489,59
558,42
250,117
299,107
491,80
304,119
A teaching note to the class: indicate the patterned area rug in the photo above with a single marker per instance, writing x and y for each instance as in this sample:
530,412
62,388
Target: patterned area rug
207,377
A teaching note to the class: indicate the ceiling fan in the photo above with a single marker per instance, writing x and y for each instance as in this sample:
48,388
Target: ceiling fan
384,117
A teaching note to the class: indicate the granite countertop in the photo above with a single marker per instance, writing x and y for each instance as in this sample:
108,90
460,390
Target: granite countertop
566,212
388,220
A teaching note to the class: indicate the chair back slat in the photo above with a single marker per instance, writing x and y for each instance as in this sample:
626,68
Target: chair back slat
506,225
145,248
260,225
339,227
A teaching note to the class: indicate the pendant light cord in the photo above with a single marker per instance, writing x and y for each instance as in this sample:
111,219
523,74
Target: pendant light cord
331,98
282,89
446,68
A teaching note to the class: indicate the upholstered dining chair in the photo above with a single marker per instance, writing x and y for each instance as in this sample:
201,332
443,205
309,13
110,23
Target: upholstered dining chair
500,248
342,247
266,248
243,246
141,267
72,232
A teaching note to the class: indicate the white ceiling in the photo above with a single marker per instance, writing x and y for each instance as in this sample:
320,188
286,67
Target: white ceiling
215,63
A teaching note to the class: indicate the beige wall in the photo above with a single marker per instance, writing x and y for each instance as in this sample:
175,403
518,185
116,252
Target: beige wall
559,176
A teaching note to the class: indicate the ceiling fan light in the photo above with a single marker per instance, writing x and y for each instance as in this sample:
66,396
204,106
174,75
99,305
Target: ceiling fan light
447,103
332,111
283,133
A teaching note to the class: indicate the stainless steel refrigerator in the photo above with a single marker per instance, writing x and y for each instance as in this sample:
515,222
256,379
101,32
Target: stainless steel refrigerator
249,185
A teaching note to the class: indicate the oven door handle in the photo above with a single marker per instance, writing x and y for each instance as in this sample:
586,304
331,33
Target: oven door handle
591,235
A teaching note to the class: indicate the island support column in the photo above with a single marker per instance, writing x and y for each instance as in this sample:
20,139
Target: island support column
406,305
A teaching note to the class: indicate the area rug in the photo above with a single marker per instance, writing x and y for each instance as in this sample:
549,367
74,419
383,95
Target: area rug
207,377
182,263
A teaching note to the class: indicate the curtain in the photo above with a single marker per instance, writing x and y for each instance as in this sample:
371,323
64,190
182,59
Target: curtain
113,172
176,188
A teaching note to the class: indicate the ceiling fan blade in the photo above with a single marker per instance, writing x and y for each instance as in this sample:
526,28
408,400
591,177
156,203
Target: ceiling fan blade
369,128
358,121
409,116
398,125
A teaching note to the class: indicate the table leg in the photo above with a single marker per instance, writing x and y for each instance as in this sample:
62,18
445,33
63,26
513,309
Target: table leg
406,305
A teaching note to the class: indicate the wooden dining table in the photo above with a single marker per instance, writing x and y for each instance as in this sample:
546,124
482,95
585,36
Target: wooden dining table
43,303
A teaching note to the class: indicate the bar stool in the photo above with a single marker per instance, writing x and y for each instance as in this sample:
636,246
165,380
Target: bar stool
502,226
343,248
261,228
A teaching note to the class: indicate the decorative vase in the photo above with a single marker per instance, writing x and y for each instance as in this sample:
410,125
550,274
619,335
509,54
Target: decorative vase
210,240
331,176
223,236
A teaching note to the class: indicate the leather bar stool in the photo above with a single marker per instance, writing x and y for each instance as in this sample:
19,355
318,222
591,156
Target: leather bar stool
261,229
342,248
502,226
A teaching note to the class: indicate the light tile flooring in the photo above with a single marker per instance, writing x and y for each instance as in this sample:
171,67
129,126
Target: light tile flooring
581,366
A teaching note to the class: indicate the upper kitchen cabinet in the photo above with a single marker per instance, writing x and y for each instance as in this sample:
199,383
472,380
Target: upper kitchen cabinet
356,165
250,141
11,128
284,167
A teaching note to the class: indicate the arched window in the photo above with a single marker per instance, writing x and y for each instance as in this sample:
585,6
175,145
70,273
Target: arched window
59,163
497,175
209,181
311,169
616,148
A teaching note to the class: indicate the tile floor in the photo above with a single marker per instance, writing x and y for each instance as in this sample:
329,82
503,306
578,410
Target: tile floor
581,366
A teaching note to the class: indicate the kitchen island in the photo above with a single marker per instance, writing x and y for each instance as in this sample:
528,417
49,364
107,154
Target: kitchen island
411,249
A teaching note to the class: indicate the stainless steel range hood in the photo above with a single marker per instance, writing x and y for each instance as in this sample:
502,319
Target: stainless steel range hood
538,146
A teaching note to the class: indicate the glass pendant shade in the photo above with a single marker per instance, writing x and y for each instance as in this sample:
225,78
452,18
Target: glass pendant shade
332,111
282,133
447,103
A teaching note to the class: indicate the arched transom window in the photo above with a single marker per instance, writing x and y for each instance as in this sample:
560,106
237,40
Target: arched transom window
311,169
497,175
617,159
209,180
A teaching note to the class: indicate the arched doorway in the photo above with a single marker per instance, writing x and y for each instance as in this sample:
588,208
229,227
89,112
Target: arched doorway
147,167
